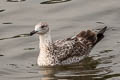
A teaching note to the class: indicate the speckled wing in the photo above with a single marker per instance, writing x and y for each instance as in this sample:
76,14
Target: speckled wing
78,46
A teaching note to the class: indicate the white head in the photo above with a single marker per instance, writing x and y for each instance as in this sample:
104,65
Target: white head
41,29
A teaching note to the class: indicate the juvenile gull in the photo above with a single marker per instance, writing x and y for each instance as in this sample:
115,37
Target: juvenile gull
67,51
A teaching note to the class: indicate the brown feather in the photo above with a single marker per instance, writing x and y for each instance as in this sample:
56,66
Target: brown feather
88,35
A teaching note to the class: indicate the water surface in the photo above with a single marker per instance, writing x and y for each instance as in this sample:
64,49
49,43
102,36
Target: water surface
19,51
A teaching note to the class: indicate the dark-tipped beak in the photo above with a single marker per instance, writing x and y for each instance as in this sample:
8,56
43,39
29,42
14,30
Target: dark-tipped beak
33,32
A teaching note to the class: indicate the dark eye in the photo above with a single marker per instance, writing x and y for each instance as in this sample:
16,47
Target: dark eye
43,26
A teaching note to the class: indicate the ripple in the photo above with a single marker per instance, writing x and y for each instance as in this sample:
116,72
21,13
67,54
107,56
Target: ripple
1,10
15,0
17,36
1,55
54,1
100,22
29,48
106,51
105,77
7,23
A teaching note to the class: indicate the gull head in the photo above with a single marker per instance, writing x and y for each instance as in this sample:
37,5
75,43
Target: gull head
41,29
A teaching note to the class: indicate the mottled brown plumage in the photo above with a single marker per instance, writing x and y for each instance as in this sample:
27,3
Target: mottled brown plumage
80,45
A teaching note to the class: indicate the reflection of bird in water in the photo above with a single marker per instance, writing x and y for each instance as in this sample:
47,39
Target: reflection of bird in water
67,51
86,68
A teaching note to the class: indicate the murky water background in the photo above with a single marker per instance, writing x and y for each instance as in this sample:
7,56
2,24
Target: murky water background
18,51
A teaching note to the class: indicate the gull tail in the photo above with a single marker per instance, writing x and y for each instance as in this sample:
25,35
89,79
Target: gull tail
91,36
100,34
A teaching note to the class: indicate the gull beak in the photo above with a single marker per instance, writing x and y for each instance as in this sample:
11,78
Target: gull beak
33,32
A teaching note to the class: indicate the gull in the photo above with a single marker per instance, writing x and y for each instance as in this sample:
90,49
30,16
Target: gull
67,51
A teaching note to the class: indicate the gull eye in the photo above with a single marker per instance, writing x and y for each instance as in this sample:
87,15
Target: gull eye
43,26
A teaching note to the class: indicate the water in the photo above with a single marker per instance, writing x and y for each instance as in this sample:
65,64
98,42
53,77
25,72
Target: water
19,51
